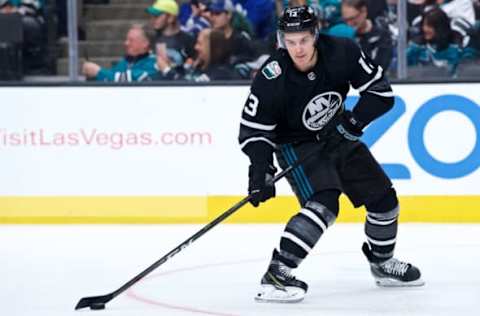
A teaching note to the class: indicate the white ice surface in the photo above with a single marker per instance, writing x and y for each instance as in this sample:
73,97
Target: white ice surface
45,270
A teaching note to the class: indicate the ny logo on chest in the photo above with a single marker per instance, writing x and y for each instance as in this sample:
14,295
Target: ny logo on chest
320,110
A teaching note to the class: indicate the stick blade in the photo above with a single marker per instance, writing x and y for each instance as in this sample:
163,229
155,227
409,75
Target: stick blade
93,301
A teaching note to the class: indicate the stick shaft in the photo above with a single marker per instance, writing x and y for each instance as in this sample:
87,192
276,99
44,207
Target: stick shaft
197,235
106,298
194,237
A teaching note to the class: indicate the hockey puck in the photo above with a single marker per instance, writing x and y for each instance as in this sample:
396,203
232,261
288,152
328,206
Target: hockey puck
97,306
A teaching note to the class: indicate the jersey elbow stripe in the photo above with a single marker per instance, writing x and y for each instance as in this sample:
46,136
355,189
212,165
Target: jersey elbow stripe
362,62
257,139
378,75
259,126
387,94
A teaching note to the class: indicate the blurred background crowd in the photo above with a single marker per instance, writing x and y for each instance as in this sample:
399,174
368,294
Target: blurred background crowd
206,40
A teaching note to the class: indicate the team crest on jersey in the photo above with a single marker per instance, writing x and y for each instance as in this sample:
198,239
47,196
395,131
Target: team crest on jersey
272,70
320,110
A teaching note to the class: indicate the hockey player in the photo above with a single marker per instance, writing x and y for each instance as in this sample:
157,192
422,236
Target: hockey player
296,106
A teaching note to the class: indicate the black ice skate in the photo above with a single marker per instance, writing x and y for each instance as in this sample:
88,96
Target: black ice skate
279,286
393,272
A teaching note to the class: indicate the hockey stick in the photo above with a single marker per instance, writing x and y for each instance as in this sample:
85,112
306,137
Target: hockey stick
98,302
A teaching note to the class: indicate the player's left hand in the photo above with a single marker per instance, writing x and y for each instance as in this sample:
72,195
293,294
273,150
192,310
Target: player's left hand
348,128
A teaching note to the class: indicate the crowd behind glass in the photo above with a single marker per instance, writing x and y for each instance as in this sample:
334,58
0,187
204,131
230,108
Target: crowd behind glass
205,40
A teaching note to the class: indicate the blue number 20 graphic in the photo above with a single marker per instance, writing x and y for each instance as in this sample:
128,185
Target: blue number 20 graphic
416,132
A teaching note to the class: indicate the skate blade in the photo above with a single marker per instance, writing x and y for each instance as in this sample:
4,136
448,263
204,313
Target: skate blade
387,282
271,294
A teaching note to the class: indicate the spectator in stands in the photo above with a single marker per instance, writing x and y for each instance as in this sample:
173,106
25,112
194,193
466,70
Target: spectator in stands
374,37
211,63
240,20
195,16
34,31
462,20
261,14
460,12
330,15
221,18
139,64
438,45
163,18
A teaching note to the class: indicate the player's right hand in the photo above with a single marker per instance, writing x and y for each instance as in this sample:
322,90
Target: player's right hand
260,183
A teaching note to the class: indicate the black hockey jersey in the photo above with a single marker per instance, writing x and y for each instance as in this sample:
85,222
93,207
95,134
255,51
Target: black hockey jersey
286,105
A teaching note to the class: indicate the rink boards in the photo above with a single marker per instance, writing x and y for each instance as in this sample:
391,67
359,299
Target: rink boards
170,155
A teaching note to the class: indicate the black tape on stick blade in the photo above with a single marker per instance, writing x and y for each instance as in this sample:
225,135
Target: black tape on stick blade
97,306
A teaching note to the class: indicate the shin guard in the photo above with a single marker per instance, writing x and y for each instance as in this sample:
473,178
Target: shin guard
302,233
381,225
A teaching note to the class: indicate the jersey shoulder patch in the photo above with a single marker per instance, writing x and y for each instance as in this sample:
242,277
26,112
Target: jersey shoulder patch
272,70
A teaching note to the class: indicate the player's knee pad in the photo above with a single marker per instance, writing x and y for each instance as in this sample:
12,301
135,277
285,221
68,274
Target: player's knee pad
320,214
384,207
329,199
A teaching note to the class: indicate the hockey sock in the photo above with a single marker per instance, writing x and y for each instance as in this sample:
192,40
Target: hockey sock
302,233
381,225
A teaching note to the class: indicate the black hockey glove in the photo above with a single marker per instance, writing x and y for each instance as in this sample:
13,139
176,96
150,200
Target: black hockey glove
347,128
260,183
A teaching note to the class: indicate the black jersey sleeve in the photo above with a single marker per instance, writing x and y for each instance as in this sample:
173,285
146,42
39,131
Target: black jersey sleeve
376,95
258,120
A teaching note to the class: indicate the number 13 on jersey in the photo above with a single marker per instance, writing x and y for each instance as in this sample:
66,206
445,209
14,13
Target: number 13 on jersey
252,105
